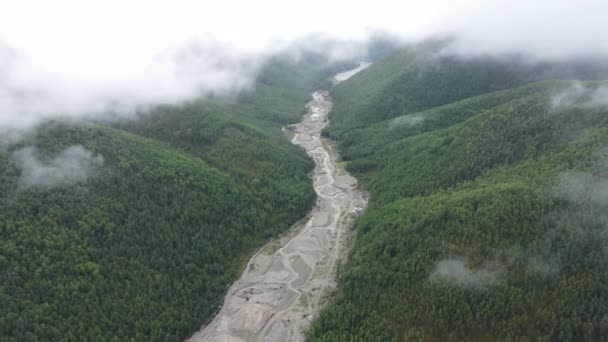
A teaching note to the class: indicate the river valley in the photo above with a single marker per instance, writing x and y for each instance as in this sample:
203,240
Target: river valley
286,282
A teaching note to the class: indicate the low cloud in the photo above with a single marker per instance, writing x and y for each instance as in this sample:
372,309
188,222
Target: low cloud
406,121
586,197
578,95
30,94
112,59
458,272
599,97
583,189
72,165
568,98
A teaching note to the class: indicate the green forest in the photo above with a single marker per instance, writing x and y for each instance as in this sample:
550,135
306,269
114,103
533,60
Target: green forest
487,219
144,245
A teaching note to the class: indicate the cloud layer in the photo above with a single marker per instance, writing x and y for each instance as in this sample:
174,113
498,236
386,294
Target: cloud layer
30,93
456,271
73,165
76,59
577,95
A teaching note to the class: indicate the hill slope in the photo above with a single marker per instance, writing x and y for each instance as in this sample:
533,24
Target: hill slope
486,216
422,76
133,231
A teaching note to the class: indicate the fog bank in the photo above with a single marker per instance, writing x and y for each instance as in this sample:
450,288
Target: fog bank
113,58
73,165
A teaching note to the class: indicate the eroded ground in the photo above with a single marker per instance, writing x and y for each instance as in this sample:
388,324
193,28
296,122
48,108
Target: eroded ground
284,284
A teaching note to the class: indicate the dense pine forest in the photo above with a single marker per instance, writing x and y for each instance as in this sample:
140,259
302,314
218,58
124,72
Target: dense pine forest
304,171
133,230
487,218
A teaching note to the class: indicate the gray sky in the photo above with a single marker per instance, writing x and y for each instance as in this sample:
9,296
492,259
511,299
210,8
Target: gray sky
80,58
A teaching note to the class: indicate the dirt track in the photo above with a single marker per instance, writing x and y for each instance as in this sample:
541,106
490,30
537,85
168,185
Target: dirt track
284,284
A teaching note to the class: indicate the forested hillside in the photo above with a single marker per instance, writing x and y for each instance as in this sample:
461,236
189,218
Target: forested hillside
132,231
422,76
488,198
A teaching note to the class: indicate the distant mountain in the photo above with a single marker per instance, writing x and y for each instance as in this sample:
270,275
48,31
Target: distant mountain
423,76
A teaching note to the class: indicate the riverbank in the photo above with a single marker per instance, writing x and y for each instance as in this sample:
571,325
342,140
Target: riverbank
282,289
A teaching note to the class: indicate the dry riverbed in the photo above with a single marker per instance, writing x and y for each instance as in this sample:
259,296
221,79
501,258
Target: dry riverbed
286,282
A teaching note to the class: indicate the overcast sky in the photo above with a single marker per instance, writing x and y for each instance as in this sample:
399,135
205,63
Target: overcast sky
83,57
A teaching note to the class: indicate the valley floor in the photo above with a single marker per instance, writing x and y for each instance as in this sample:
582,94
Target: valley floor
282,289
